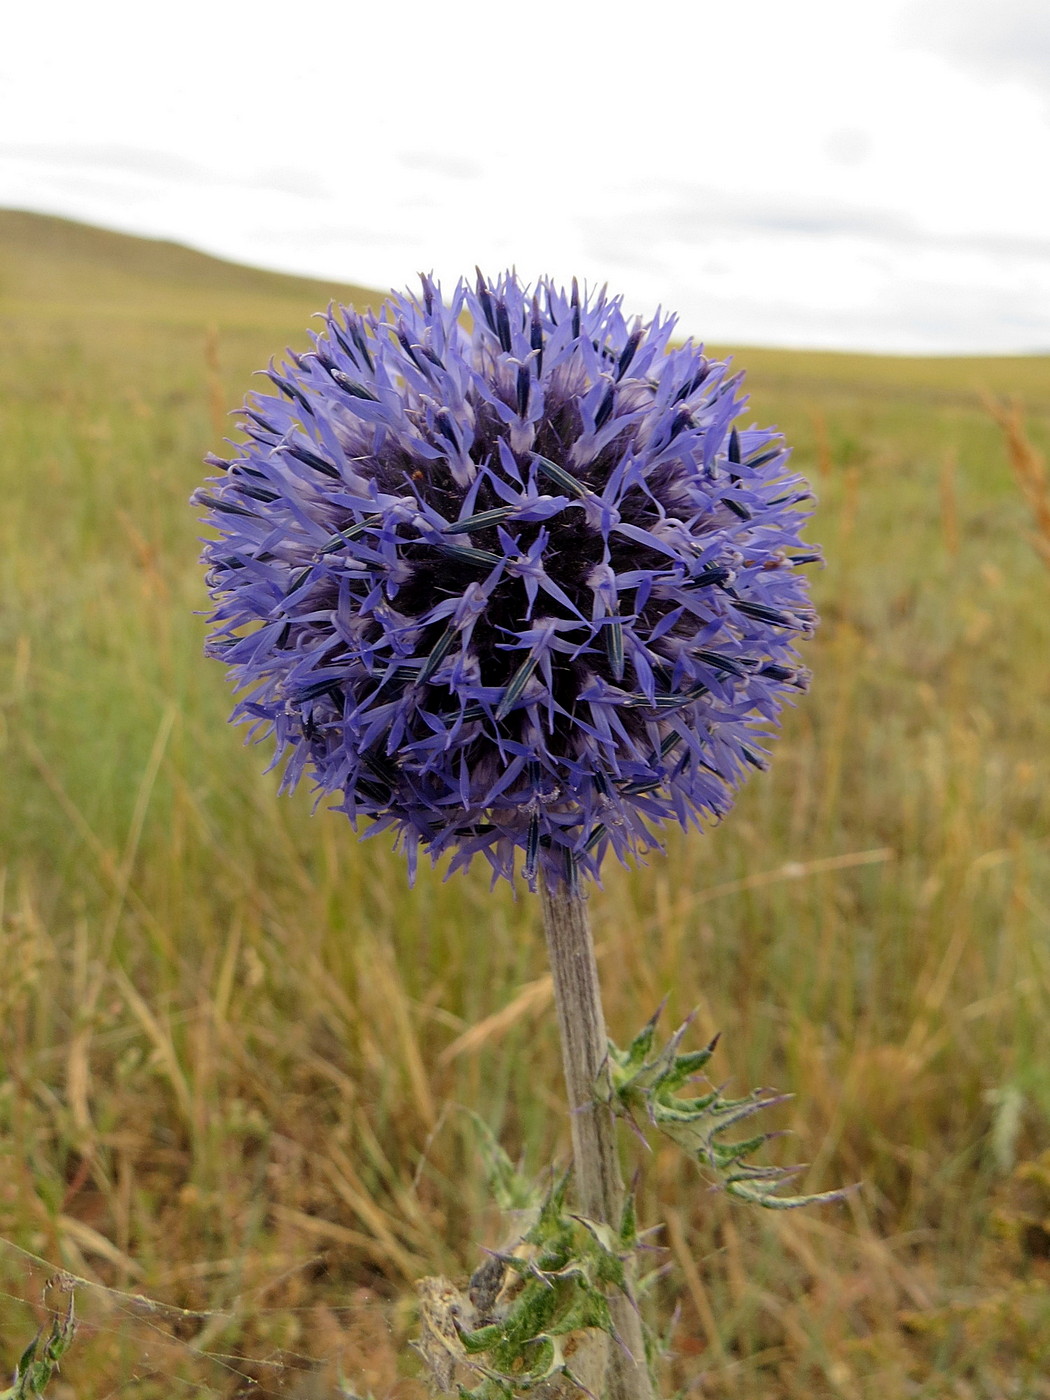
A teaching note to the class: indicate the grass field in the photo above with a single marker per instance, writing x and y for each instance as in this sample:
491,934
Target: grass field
235,1045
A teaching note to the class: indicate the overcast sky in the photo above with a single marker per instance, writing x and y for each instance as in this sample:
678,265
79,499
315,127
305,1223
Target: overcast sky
813,173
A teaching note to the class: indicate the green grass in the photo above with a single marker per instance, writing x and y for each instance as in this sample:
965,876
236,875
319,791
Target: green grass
234,1042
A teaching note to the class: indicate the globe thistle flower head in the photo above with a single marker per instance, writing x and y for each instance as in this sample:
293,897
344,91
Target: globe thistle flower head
501,573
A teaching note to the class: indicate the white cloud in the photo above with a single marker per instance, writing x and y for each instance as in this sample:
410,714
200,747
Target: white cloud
994,38
781,173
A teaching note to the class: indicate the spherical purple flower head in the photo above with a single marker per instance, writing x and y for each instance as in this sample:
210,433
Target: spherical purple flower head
521,588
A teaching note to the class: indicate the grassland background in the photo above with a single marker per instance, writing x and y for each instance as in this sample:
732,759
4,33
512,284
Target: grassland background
233,1041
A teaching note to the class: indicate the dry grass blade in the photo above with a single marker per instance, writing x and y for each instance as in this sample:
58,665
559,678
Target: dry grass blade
533,998
1029,469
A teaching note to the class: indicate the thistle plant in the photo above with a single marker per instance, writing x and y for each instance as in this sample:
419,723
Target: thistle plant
504,575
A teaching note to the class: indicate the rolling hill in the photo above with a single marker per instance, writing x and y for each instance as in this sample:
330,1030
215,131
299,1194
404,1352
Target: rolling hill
56,267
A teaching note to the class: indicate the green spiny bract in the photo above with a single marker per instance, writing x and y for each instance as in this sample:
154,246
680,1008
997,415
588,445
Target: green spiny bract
642,1085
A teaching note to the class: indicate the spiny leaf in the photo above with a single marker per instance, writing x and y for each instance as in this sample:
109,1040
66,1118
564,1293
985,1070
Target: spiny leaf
643,1083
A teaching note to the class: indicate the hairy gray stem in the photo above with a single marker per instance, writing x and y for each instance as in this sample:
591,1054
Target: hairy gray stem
596,1168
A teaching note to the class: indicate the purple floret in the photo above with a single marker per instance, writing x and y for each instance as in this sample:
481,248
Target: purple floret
519,588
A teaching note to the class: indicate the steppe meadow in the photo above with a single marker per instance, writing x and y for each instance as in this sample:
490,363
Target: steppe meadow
238,1049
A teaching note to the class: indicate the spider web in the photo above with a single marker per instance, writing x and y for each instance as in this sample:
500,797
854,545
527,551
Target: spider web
158,1347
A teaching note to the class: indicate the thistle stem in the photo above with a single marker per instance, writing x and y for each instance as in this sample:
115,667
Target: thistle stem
596,1167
